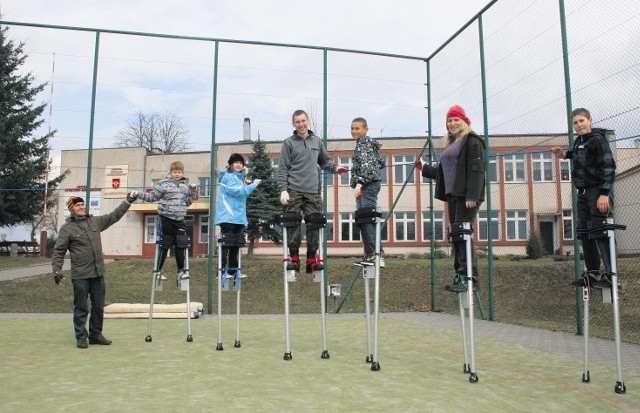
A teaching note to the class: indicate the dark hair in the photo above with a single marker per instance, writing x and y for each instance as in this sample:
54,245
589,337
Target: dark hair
580,111
298,113
361,120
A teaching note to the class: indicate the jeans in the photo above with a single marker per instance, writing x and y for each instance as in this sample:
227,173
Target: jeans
82,290
593,249
369,199
458,212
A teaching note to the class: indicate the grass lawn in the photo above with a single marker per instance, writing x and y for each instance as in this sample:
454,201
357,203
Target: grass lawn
533,293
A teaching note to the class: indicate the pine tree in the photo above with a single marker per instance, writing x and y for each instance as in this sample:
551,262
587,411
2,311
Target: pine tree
263,205
23,158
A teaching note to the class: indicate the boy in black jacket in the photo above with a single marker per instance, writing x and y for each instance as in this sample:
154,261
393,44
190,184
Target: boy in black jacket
593,174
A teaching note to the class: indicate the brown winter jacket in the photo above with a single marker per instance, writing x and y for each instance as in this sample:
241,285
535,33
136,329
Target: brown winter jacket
81,237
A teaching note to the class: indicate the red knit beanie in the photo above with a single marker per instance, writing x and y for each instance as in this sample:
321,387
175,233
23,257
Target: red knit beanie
456,111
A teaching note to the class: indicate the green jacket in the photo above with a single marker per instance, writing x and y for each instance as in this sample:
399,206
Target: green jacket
81,237
470,172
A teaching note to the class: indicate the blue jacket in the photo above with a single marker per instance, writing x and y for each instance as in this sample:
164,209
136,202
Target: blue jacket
231,206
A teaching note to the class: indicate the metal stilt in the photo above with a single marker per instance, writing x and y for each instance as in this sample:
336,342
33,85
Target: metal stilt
465,295
226,281
368,216
604,228
156,285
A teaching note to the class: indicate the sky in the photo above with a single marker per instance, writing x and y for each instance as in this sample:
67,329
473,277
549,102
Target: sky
407,27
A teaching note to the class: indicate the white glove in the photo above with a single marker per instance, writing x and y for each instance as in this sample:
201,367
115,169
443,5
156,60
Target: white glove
358,190
257,181
284,198
471,204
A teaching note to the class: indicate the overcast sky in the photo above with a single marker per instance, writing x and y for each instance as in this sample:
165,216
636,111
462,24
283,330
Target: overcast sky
408,27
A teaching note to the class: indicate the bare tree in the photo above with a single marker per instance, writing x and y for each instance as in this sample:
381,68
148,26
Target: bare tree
154,131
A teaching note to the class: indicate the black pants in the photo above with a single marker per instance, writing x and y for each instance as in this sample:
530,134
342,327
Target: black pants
82,290
458,212
593,249
172,228
230,254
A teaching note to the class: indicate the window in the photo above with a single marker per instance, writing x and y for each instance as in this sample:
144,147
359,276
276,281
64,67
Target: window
542,167
344,161
329,228
384,175
348,229
517,225
402,165
204,229
150,229
483,226
514,168
274,165
437,227
493,170
204,187
405,225
565,170
567,224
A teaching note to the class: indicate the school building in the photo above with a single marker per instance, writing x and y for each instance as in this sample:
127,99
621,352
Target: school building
530,191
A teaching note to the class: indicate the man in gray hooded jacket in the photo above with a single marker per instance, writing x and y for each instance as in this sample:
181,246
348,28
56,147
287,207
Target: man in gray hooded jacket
298,177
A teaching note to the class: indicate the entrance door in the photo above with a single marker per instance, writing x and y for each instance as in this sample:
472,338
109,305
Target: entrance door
546,234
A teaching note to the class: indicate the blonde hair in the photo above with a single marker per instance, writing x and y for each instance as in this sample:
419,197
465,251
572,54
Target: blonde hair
176,166
464,131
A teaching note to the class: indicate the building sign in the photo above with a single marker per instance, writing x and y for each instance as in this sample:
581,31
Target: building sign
94,204
115,185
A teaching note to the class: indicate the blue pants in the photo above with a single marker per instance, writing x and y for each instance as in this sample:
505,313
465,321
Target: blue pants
369,199
82,290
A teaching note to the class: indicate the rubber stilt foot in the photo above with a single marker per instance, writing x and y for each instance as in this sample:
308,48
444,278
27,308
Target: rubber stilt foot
325,354
189,338
219,347
375,366
369,358
473,378
620,388
148,339
287,356
237,344
586,378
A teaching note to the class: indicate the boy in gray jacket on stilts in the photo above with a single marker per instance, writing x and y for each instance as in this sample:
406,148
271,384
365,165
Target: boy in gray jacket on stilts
174,196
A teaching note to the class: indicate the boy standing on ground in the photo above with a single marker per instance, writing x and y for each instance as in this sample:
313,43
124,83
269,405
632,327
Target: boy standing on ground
174,196
365,180
298,178
593,174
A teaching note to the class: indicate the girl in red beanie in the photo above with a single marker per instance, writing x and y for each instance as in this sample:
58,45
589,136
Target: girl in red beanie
460,181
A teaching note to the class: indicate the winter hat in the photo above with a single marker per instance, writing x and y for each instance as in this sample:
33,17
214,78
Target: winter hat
456,111
74,200
235,157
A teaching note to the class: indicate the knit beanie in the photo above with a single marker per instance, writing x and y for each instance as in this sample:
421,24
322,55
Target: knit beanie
456,111
235,157
74,200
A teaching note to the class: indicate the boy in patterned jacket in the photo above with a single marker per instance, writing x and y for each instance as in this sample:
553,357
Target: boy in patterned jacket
593,174
365,180
174,196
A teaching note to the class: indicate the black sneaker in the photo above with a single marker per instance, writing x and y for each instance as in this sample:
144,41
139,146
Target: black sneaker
82,343
603,282
588,279
313,264
100,340
294,264
459,284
